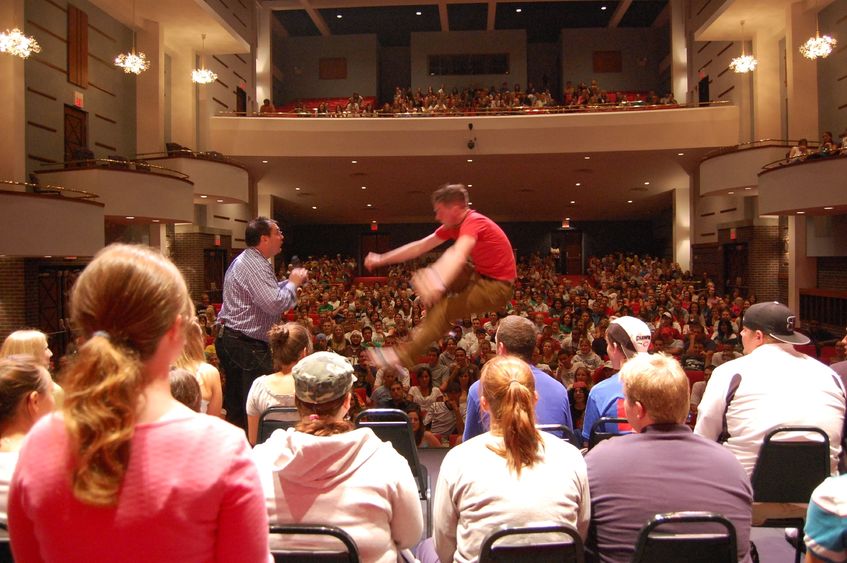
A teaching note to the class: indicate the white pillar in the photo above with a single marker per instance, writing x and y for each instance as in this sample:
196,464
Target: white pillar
679,51
802,269
682,227
12,100
802,74
264,54
183,100
150,90
767,110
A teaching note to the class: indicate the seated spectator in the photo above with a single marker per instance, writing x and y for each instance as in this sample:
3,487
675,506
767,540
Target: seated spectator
827,146
325,471
425,393
397,398
529,477
127,469
694,359
193,360
564,367
447,416
439,372
32,343
336,342
382,391
267,107
825,539
586,356
800,151
698,388
661,468
26,394
423,437
289,343
578,396
185,388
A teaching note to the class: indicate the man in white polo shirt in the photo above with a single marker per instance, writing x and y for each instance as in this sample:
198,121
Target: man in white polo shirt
771,385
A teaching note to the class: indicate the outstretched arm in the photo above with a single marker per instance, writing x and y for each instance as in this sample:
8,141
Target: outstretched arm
431,283
402,253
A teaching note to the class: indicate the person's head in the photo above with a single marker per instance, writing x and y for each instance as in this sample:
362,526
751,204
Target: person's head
418,429
266,102
450,203
367,334
194,352
30,343
185,388
582,374
425,379
389,376
516,336
767,323
26,392
264,235
508,395
655,391
397,391
338,333
626,337
580,393
432,355
288,343
130,308
584,346
322,384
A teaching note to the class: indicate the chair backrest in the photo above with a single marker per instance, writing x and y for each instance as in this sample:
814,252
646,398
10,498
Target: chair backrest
538,548
788,471
567,434
350,554
394,426
275,418
692,539
598,430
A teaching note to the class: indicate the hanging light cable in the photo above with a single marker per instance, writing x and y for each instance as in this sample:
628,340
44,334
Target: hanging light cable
745,63
203,75
133,62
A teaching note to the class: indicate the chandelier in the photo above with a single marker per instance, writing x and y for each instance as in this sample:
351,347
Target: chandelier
745,63
817,46
132,62
203,75
14,42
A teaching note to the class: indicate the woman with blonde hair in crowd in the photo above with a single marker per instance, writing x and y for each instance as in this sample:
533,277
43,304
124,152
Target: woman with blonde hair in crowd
530,477
125,472
193,360
289,343
26,394
28,342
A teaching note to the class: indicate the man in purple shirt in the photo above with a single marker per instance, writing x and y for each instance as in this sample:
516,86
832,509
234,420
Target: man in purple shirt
253,301
661,468
516,336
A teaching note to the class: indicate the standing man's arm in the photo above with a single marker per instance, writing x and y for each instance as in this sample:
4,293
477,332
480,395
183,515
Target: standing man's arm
276,297
402,253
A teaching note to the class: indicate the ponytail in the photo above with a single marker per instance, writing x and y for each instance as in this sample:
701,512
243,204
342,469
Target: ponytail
509,388
318,419
103,385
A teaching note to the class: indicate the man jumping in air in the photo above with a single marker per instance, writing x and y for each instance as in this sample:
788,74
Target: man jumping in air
489,288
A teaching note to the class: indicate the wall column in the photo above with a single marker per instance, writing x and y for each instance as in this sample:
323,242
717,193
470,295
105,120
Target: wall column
682,226
802,74
183,102
767,120
12,100
802,269
264,54
679,51
150,91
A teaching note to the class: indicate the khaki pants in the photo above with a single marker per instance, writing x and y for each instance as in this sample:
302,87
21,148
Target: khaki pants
481,295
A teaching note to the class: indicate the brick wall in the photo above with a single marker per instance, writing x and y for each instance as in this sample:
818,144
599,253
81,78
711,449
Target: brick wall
12,296
832,273
187,254
765,252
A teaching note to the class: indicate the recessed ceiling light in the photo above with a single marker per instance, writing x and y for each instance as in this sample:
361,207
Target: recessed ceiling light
731,193
748,188
587,158
297,189
354,161
801,213
155,220
48,257
578,184
418,13
470,203
573,201
646,183
130,217
629,201
567,218
203,196
470,185
370,205
220,201
364,187
470,160
829,207
264,162
680,154
518,10
373,221
314,207
339,16
603,8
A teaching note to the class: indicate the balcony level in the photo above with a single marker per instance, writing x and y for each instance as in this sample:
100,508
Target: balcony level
813,187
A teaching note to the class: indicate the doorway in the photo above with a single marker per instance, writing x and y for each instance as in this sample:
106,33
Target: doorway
703,91
569,246
735,258
373,242
53,297
240,100
214,268
76,132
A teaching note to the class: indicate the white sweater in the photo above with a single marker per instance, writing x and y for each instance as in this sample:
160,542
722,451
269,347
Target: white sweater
477,494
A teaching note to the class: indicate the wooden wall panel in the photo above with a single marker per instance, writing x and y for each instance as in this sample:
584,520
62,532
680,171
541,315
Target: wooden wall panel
77,46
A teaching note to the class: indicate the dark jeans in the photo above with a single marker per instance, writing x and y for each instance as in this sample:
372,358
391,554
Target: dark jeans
243,360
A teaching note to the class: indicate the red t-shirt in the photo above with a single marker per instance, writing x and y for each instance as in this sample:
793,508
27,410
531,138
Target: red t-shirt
492,254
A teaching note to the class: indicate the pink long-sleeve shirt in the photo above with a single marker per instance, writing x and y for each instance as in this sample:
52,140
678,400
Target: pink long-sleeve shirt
190,493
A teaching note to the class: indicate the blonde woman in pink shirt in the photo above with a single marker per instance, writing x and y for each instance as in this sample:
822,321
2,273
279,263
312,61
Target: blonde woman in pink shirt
124,472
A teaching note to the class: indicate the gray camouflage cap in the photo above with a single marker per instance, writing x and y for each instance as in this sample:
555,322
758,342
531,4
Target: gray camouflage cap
322,377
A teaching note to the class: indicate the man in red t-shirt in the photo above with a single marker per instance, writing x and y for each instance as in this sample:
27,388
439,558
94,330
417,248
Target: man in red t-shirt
479,240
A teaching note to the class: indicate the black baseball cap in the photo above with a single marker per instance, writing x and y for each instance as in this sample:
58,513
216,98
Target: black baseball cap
774,319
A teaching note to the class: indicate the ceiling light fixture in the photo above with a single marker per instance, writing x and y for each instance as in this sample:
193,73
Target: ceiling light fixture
132,62
680,154
264,162
155,220
418,13
203,196
220,201
817,46
829,208
629,201
470,185
364,187
354,161
518,10
339,16
646,183
14,42
731,193
587,158
314,207
470,160
130,217
573,201
578,184
603,8
745,63
203,75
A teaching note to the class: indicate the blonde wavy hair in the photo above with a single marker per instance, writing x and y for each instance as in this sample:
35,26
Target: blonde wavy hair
25,342
122,304
194,352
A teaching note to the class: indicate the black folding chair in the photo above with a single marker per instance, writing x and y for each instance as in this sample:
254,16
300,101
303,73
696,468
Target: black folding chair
276,418
788,472
687,537
598,430
567,434
5,545
394,426
349,553
533,548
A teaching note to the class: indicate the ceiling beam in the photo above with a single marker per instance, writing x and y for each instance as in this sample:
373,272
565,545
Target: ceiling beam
492,14
316,17
442,15
663,17
620,12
